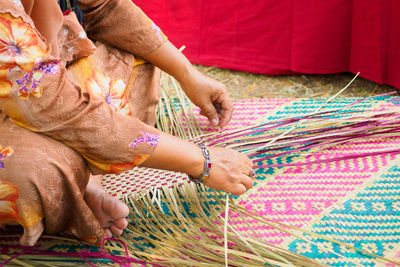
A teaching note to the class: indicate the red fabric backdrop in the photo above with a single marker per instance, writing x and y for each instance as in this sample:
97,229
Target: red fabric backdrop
286,36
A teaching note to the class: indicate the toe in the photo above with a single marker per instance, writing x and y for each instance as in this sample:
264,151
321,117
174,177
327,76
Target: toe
115,208
121,223
108,232
116,231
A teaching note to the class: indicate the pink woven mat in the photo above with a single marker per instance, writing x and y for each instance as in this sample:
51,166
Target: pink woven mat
355,201
140,180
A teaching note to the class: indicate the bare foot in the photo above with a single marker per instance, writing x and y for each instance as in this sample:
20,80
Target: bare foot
110,211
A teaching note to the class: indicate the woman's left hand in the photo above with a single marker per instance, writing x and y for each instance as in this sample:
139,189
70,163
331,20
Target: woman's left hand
210,96
206,93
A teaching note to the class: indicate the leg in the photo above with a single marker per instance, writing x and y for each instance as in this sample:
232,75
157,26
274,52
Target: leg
49,180
143,96
142,91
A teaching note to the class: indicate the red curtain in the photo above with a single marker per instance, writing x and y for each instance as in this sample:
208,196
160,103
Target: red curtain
286,36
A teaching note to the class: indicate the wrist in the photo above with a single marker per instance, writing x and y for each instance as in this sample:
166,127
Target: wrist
174,154
195,162
198,179
185,75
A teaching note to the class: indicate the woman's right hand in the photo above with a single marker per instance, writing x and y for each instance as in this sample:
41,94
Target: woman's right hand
230,171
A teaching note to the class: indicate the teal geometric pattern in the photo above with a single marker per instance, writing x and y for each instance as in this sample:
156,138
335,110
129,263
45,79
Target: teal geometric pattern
310,105
369,221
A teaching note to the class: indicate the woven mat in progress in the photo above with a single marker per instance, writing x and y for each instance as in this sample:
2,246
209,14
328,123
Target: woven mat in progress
356,201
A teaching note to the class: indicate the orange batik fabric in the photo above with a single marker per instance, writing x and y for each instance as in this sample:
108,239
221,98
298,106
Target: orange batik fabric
64,117
86,115
8,193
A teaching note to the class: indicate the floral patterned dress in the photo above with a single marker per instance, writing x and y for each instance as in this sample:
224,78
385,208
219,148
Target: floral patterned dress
63,118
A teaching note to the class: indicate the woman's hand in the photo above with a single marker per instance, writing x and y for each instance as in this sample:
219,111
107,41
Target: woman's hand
230,171
209,95
206,93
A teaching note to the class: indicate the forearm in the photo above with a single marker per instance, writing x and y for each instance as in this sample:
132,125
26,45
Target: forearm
175,154
169,59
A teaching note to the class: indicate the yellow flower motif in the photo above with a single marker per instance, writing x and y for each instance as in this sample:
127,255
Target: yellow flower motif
8,206
121,167
4,153
112,91
5,84
20,45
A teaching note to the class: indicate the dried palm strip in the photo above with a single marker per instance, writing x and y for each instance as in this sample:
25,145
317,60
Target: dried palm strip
315,112
352,133
16,261
180,234
268,143
316,133
174,240
226,230
294,234
37,256
172,233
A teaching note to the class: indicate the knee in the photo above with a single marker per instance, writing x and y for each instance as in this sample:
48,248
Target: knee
58,164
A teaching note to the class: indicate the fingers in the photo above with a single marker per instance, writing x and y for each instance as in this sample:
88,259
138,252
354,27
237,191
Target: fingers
225,110
211,113
247,179
249,162
108,232
121,223
231,171
238,190
248,182
245,184
219,112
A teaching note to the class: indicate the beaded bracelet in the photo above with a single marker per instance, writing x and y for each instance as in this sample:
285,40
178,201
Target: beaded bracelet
207,166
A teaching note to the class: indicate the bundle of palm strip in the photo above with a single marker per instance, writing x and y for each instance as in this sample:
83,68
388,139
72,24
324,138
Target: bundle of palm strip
312,132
